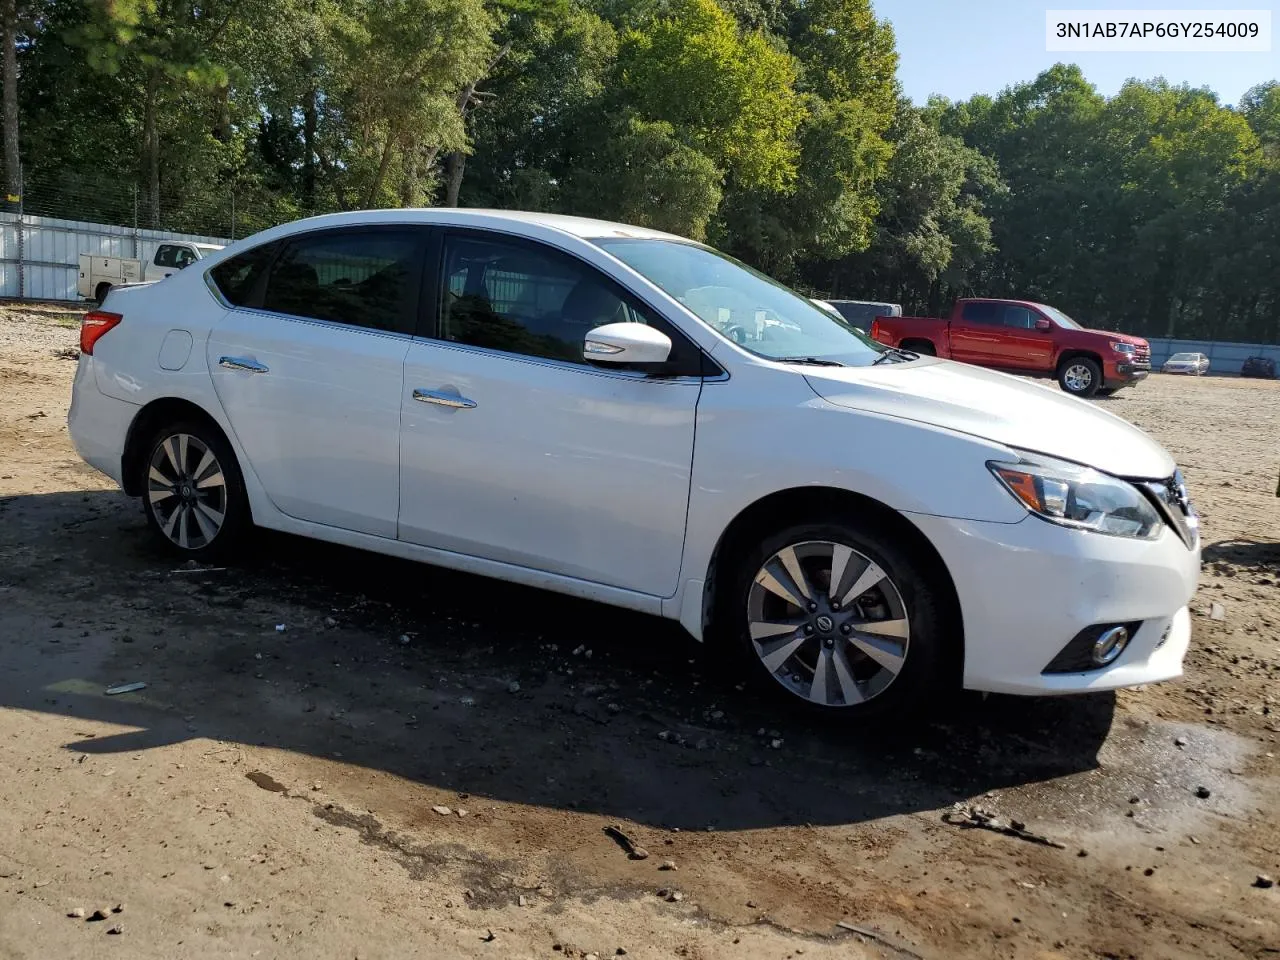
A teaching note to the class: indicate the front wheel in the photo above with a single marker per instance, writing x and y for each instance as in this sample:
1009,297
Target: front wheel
1080,377
841,621
193,492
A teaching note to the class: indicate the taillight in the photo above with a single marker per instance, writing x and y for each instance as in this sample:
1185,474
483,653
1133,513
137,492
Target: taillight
875,329
93,326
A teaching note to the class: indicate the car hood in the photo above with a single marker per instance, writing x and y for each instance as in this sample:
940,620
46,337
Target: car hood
997,407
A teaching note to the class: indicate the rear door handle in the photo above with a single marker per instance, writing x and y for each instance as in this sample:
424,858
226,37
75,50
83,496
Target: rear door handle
243,363
451,400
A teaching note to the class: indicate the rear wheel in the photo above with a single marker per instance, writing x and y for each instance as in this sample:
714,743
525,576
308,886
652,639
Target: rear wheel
924,347
841,621
1080,376
193,492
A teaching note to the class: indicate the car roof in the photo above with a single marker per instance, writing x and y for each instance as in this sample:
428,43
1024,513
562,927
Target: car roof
582,227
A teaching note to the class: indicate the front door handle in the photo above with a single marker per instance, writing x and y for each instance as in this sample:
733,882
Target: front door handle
243,363
451,400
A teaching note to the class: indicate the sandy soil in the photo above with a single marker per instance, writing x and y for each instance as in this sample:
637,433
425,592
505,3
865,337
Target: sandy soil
275,793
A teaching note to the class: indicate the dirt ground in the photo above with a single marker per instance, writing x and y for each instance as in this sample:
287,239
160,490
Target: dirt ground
292,781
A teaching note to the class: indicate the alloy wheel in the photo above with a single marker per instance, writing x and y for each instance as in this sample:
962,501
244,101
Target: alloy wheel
828,623
187,491
1078,377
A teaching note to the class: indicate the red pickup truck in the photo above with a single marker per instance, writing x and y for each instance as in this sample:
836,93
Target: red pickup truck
1019,336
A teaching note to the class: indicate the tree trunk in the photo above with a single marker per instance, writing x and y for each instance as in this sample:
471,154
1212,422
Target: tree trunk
151,151
409,182
309,125
455,166
12,157
376,187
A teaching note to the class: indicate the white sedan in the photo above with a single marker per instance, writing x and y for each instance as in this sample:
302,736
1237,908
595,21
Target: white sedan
555,402
1195,364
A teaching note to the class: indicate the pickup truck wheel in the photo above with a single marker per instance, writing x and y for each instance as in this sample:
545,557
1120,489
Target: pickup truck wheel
922,347
840,620
1080,377
193,493
101,292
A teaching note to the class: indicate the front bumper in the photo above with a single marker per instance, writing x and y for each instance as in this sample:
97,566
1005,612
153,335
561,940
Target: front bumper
1026,589
1126,372
98,424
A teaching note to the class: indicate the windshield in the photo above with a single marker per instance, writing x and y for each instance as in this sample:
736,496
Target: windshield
1185,356
755,312
1060,318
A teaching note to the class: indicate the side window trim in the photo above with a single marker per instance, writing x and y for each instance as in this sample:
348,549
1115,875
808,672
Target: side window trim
701,365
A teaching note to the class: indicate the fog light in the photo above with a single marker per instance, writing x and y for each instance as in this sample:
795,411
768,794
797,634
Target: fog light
1109,645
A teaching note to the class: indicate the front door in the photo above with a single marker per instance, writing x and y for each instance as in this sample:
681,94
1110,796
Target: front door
308,368
515,450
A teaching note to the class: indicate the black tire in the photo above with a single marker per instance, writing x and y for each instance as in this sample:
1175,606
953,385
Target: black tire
1106,391
1072,379
232,503
925,666
100,294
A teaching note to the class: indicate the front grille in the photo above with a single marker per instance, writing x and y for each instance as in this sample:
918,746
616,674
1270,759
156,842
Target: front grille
1170,497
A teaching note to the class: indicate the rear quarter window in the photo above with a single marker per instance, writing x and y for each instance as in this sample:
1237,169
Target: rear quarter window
237,278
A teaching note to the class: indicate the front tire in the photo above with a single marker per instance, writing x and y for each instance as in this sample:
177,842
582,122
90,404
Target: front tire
841,620
193,492
1080,377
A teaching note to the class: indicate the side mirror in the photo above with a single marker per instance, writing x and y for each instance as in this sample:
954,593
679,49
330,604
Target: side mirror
1043,325
626,344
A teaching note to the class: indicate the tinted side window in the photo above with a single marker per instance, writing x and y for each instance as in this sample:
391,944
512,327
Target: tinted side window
980,313
527,299
182,256
1020,318
165,255
366,279
236,278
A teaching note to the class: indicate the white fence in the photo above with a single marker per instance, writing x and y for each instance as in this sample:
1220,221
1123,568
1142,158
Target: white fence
1224,358
39,256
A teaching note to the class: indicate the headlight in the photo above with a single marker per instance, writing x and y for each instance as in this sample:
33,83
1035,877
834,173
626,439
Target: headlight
1128,349
1075,496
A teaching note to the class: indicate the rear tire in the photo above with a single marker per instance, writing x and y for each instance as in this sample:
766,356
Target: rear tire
1080,376
1106,391
871,645
923,347
193,492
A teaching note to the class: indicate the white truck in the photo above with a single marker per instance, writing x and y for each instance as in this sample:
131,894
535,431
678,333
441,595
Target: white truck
99,274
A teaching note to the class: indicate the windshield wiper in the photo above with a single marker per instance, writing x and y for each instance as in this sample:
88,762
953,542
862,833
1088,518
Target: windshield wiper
895,354
811,361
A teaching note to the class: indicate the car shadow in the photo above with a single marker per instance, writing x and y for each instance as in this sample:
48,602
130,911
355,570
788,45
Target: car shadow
467,684
1260,556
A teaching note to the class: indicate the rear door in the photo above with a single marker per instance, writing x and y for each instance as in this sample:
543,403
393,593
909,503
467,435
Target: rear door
308,365
976,330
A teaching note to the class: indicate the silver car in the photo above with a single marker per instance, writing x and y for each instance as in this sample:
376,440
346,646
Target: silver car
1195,364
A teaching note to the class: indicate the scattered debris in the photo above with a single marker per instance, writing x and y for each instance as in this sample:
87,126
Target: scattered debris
1217,611
634,850
116,930
523,900
281,627
489,937
405,640
1179,741
118,908
775,743
671,896
668,865
461,812
876,938
1204,793
467,701
102,913
1264,882
442,810
977,818
513,686
77,913
197,570
125,688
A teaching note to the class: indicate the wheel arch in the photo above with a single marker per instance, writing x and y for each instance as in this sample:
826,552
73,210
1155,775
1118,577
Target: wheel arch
917,343
148,420
1071,353
801,504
